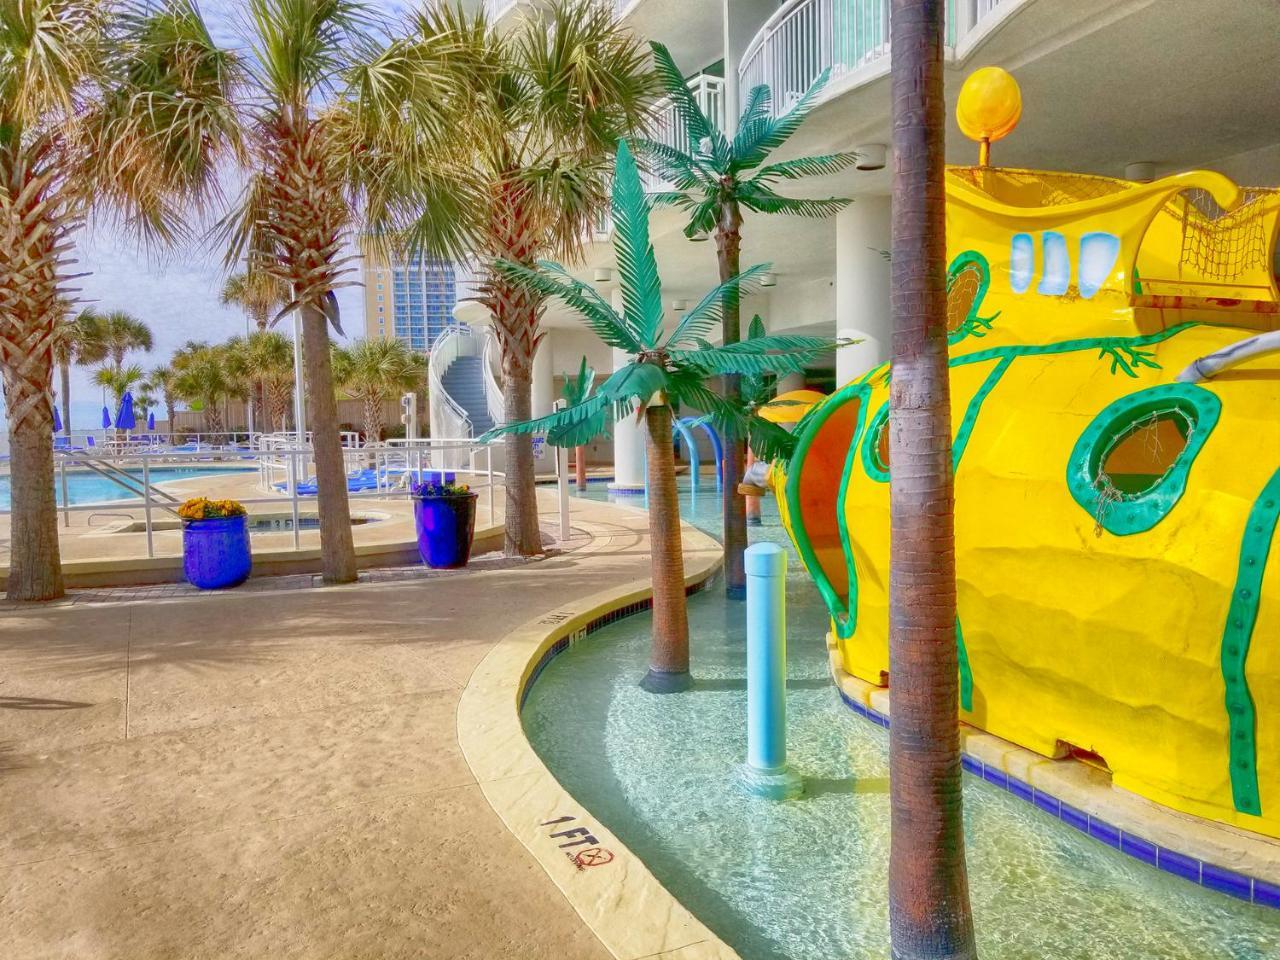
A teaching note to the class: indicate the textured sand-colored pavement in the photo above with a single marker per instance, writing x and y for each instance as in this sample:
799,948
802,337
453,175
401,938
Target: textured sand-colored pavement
275,774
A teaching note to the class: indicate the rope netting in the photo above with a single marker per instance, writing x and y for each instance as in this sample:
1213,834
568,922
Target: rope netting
1223,245
1034,188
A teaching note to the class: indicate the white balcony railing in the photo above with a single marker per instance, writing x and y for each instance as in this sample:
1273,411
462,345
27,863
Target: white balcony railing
805,37
669,128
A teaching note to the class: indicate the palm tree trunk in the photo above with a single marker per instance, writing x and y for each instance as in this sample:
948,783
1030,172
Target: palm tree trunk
64,388
728,252
35,567
169,413
669,653
929,911
523,537
580,466
337,550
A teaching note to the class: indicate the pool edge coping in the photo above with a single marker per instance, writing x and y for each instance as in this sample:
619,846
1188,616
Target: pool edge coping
630,912
1076,795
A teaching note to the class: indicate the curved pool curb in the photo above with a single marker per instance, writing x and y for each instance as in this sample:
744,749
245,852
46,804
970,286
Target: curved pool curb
1216,856
609,887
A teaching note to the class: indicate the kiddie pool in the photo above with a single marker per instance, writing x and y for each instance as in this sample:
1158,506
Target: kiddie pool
806,880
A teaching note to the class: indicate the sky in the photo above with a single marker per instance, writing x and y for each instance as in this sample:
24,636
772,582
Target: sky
176,291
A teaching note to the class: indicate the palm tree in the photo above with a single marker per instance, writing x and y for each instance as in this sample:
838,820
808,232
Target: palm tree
114,335
259,295
375,371
203,379
328,135
666,370
268,360
712,183
577,390
120,381
548,102
104,109
162,380
929,912
75,344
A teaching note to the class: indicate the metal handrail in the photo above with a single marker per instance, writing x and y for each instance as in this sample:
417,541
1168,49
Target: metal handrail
492,361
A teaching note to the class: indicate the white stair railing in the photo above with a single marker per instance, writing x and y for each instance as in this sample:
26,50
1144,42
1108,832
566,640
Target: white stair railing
491,367
448,419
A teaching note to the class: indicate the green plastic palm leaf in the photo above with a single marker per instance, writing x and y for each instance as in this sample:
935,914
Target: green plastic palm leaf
562,422
598,315
780,353
755,143
769,441
577,389
801,167
641,290
708,312
700,128
684,171
755,195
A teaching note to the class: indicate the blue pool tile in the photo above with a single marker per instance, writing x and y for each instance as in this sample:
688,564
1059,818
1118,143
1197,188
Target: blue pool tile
1226,881
1266,894
1020,789
992,775
972,765
1138,848
1101,830
1047,803
1076,818
1178,864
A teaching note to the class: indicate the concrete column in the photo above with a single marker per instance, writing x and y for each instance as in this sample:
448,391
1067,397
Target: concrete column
863,229
628,436
543,387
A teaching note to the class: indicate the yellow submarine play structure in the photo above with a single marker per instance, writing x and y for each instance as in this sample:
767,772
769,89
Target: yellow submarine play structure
1115,399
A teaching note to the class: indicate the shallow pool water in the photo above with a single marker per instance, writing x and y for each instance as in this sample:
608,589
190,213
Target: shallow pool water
87,487
806,879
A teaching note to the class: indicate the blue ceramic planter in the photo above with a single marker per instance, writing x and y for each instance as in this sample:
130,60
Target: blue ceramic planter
215,553
445,528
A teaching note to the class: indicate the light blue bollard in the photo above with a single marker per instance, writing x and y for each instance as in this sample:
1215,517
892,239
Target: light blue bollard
765,773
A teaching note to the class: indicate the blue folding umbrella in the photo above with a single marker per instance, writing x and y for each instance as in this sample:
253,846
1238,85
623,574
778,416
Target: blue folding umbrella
151,422
125,420
57,420
106,417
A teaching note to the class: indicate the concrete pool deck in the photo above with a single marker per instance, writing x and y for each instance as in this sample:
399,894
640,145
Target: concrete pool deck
107,545
278,772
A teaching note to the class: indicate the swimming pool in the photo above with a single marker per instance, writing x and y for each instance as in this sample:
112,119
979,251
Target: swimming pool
87,487
806,880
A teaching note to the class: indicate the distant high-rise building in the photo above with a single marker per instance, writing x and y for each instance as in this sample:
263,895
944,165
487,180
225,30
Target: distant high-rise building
410,299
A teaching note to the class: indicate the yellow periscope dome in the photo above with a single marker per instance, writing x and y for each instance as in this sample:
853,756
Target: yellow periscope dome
1115,401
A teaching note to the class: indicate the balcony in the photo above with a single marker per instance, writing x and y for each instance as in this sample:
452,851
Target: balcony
851,37
668,128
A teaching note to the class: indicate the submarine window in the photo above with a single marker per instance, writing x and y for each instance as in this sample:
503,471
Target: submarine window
1130,467
1141,457
875,448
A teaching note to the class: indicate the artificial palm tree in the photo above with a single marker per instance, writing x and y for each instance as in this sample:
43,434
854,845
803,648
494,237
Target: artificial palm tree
548,101
109,109
334,116
715,179
375,371
578,390
930,917
667,369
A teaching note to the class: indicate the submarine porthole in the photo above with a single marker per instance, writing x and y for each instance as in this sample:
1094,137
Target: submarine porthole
1130,467
875,446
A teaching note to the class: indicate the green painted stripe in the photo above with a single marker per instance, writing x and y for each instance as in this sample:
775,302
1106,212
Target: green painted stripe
847,620
808,430
974,408
1242,615
966,673
1070,346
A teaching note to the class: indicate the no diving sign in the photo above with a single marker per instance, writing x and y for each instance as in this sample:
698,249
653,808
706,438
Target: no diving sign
580,846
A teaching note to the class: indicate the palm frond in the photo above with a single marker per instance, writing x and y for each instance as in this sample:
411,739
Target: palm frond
599,316
767,137
769,441
695,121
779,353
637,381
819,166
756,196
637,265
683,170
560,421
708,312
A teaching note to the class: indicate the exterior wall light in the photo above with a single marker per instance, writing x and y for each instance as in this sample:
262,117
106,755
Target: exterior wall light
679,306
768,279
602,275
871,156
1141,171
